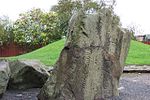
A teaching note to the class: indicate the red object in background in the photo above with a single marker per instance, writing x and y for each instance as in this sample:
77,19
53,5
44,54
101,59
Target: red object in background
14,49
147,42
11,49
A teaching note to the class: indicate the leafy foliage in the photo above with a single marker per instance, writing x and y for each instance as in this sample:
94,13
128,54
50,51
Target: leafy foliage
6,34
36,27
65,9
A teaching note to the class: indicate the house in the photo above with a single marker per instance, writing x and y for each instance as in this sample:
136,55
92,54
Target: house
145,38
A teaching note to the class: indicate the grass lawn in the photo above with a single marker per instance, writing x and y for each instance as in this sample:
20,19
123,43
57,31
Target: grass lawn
48,54
139,53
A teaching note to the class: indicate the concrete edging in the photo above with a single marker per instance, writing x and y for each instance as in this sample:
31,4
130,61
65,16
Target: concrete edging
137,69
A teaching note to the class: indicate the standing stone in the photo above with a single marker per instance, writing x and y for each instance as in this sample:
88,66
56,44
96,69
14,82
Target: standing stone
91,63
4,76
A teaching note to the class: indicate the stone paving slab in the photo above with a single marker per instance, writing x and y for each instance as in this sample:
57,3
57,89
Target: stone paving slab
137,69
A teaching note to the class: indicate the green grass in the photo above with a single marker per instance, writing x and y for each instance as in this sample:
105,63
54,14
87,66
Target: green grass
139,53
48,54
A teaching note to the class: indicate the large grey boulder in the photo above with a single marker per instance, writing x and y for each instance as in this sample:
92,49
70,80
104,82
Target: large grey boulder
91,63
4,76
27,74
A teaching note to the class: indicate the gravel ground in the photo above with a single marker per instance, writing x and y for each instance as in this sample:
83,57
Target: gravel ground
29,94
135,87
132,87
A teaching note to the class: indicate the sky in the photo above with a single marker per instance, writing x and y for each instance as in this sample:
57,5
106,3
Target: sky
131,12
13,8
134,13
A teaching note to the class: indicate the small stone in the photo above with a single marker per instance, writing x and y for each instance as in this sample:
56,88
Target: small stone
19,95
121,88
134,80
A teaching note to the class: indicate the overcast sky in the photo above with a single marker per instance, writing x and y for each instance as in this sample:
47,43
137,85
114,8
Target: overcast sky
13,8
131,12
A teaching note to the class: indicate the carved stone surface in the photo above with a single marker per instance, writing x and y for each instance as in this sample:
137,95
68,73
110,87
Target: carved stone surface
91,63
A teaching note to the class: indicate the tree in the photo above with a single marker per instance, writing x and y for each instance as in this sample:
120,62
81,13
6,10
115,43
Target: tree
134,29
6,34
1,34
65,9
36,27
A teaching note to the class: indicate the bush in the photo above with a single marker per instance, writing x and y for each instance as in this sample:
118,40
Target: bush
36,27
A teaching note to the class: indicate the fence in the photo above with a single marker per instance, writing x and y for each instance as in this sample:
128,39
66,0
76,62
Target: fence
13,49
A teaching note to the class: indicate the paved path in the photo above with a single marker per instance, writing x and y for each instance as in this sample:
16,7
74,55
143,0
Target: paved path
132,87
